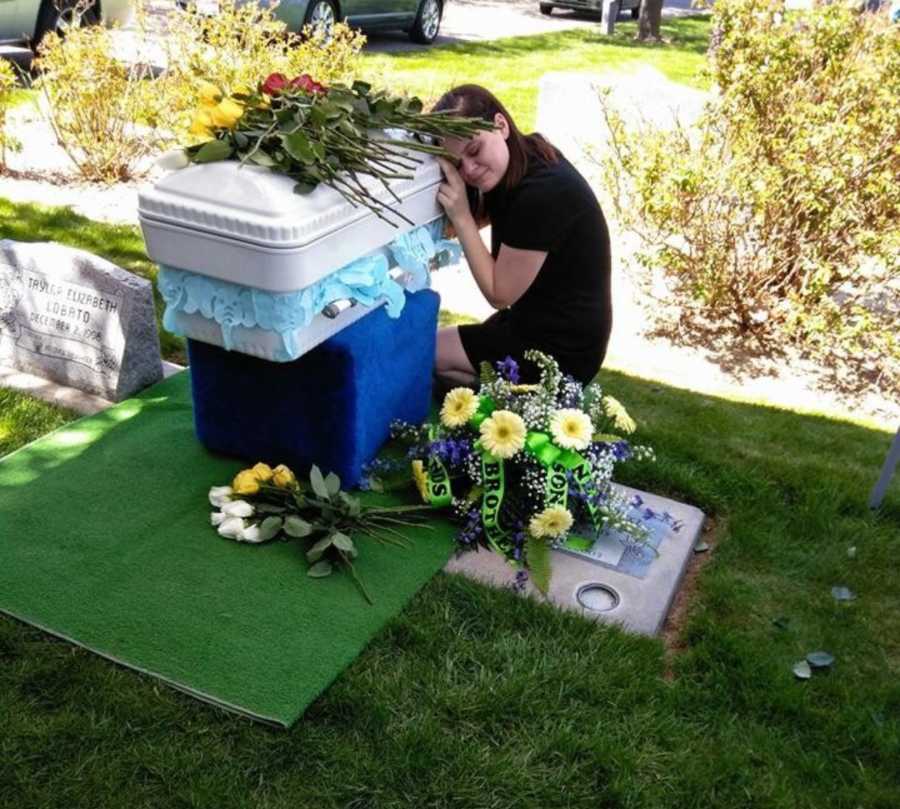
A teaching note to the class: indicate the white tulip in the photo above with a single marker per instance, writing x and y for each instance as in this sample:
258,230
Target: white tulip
217,518
219,495
174,160
237,508
232,528
251,534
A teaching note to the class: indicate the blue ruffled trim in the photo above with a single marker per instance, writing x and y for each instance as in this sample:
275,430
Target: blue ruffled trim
366,280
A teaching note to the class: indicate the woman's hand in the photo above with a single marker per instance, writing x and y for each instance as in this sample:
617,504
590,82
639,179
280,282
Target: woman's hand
452,194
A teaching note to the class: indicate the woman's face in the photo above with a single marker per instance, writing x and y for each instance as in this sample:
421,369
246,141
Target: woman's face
483,159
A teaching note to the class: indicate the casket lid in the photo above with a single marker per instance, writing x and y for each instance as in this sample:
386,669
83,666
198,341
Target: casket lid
256,205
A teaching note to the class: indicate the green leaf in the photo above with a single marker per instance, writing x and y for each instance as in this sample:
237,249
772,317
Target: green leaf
297,145
269,528
851,552
802,670
361,87
820,660
213,151
342,542
320,569
294,526
305,188
261,159
241,140
538,555
316,551
781,622
318,483
332,483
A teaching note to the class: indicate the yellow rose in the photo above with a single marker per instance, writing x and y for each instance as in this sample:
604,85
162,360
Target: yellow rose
284,477
226,113
263,472
421,479
245,482
209,94
202,125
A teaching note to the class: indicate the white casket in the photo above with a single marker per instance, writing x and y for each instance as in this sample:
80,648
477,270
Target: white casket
239,239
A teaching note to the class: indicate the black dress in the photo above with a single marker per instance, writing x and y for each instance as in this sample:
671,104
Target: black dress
567,310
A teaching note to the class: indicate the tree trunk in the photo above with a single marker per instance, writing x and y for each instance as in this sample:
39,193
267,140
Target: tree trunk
650,20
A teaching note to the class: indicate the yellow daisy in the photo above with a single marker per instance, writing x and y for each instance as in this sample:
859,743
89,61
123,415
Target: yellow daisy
459,406
571,428
503,434
617,412
551,522
421,479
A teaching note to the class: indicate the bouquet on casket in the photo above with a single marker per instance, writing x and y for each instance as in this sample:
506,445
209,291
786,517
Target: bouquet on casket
520,466
324,135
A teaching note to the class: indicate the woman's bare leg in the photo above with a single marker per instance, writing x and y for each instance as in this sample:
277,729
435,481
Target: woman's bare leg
450,362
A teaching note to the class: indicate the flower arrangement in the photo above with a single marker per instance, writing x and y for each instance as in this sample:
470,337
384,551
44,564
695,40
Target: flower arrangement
263,504
520,466
323,135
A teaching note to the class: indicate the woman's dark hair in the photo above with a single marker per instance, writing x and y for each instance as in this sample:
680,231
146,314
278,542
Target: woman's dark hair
474,101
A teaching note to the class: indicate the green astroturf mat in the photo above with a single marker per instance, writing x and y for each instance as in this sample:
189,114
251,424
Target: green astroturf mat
105,540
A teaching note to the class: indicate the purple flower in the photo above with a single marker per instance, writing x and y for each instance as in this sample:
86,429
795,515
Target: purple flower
509,370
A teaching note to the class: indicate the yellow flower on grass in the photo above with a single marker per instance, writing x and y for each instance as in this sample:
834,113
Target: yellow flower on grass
263,472
459,406
421,479
503,434
571,428
245,482
282,476
551,522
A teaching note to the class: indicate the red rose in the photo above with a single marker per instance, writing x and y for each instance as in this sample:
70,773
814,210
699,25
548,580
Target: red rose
274,84
307,84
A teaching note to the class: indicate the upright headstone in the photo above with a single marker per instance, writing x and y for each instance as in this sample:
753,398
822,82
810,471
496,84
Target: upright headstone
77,319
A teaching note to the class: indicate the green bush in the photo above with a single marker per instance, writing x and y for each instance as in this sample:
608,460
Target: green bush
7,89
779,214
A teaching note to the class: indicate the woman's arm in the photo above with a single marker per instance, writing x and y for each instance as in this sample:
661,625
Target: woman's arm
504,281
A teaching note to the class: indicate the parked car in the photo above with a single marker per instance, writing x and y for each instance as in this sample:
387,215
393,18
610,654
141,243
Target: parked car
591,6
421,19
25,22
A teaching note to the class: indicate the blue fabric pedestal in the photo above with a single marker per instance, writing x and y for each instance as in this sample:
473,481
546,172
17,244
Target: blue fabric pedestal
333,406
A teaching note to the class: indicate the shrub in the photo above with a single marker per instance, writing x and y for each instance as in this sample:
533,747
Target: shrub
7,89
109,116
780,213
96,104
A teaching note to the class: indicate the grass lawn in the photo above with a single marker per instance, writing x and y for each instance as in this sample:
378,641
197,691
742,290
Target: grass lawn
473,698
512,67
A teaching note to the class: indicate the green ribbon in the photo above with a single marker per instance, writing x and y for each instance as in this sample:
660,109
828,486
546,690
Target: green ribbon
494,485
486,406
559,462
437,483
437,479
